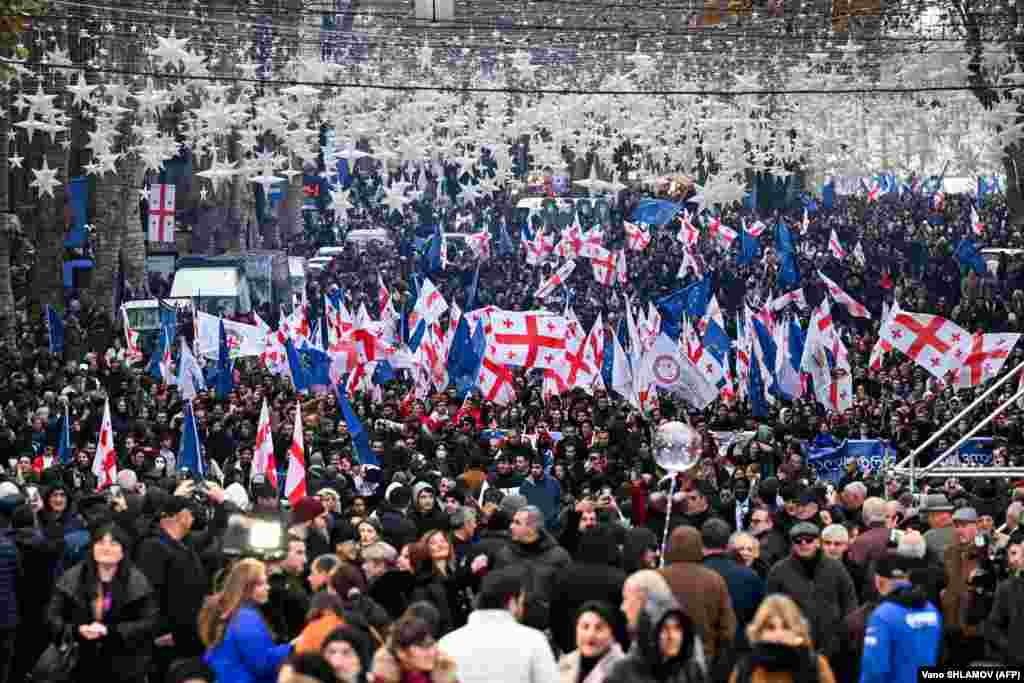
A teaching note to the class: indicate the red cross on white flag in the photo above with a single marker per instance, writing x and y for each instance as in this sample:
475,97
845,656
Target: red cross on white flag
976,225
936,344
161,213
529,340
561,275
263,462
835,246
984,358
295,481
854,307
637,238
104,464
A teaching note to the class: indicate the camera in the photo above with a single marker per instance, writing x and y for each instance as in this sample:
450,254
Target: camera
260,538
992,567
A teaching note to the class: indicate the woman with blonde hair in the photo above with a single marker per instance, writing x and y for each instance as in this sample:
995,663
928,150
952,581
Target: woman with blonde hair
782,650
240,647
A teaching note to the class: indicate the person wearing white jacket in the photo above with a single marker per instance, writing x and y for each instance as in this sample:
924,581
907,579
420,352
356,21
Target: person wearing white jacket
494,646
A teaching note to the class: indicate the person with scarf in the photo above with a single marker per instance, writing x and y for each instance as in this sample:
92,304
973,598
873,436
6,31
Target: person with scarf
782,650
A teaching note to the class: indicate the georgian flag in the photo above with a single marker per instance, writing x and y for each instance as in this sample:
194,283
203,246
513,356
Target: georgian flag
984,358
295,482
621,274
794,297
755,229
722,233
688,234
560,277
263,462
637,238
603,266
976,225
430,305
854,307
527,339
480,244
805,223
936,344
835,246
104,464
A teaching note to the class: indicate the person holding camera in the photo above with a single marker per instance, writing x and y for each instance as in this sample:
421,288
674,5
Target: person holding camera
170,557
1004,626
960,559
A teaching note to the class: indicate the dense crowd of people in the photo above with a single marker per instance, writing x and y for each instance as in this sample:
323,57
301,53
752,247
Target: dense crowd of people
521,542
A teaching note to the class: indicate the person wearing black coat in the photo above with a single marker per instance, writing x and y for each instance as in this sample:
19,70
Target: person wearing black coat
593,575
38,556
109,608
170,557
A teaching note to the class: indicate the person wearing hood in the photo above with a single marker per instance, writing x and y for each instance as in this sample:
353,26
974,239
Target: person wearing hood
640,550
702,592
905,631
782,647
596,650
425,513
819,585
666,648
534,547
593,575
39,556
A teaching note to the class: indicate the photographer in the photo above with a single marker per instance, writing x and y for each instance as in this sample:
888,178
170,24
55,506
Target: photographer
170,557
1004,628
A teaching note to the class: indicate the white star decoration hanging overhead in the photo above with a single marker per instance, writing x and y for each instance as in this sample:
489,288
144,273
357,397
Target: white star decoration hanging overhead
45,179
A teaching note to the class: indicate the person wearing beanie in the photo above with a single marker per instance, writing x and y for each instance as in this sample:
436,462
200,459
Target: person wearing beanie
819,585
309,522
425,513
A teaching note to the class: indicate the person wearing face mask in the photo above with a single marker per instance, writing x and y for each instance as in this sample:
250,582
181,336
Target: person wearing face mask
596,648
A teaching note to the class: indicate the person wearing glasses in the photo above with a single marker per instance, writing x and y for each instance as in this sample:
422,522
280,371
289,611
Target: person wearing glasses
819,584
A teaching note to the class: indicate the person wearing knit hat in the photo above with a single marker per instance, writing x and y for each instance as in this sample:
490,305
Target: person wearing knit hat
425,513
309,522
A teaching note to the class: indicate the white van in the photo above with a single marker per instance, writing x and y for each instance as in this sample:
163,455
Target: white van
217,290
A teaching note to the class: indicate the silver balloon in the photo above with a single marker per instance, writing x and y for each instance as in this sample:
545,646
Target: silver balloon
677,446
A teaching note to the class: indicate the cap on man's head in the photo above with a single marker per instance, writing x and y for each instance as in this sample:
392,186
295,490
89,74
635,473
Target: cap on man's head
894,566
804,529
965,515
936,502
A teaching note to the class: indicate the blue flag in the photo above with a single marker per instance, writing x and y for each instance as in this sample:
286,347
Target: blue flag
473,289
968,256
190,455
750,249
155,368
64,440
797,338
758,402
692,300
78,206
655,212
465,357
828,194
360,439
225,381
319,363
789,271
299,378
382,373
55,330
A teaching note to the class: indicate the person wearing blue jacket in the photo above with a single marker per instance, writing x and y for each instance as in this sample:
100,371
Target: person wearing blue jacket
240,646
904,632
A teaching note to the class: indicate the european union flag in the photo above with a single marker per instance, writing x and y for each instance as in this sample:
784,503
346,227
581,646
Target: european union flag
692,300
360,439
64,440
750,249
655,212
968,256
466,356
789,271
299,376
190,456
225,380
55,330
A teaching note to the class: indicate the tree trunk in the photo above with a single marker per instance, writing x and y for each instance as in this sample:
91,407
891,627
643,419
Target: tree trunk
9,223
133,239
113,198
290,223
1013,162
50,224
